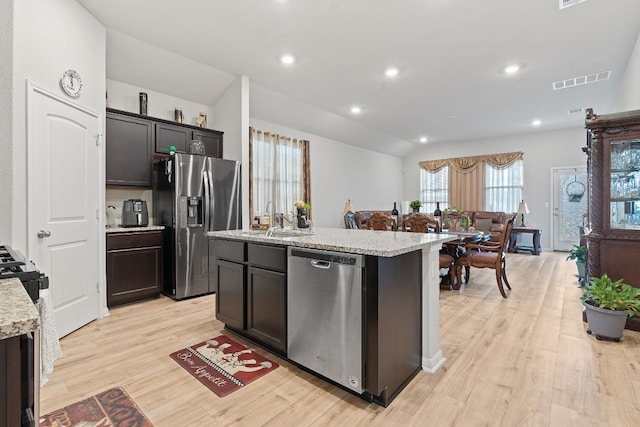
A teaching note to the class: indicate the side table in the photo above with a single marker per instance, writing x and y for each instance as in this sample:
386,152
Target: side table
513,240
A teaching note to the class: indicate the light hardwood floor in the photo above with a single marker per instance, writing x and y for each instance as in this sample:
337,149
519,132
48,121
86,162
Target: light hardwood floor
521,361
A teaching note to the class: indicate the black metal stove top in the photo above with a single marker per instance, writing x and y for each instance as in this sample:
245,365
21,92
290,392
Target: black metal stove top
14,264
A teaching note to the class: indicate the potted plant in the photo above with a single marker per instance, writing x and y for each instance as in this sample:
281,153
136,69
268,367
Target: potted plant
579,254
608,304
415,205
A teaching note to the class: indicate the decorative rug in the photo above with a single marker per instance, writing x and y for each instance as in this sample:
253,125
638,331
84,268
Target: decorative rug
222,364
113,407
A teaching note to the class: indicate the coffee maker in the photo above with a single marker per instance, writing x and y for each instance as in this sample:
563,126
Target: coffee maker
135,213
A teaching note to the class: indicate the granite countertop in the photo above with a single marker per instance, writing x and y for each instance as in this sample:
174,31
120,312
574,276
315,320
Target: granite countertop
367,242
18,314
132,229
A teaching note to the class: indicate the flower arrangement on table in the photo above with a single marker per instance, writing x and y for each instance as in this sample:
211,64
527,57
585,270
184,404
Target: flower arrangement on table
302,205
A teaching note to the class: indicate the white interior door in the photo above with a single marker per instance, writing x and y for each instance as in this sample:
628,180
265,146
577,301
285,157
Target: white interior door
570,203
63,178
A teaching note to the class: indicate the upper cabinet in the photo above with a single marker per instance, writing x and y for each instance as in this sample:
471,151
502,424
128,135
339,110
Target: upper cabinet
613,241
128,150
133,139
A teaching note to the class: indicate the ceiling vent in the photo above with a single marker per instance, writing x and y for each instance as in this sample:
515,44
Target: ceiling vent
582,80
568,3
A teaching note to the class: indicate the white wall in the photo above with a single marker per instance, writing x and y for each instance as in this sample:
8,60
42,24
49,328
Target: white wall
542,151
49,38
340,172
6,102
123,96
231,113
628,97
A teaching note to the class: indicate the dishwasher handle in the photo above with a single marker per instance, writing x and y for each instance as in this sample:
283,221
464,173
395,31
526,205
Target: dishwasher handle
320,264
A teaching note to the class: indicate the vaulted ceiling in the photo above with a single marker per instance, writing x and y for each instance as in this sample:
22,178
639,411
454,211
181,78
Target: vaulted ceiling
450,56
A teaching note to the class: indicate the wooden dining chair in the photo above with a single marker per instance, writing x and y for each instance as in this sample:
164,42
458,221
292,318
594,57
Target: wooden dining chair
490,255
380,221
350,221
421,223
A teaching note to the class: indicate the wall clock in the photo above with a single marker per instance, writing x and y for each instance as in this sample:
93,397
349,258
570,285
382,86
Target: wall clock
71,83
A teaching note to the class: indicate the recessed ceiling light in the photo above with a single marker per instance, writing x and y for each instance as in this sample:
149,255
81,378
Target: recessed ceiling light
356,110
511,69
287,59
391,72
423,139
536,122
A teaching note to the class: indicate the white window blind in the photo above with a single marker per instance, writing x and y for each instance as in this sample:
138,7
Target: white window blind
503,187
277,172
434,187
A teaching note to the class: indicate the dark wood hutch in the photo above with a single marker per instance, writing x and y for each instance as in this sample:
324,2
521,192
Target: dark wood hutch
613,166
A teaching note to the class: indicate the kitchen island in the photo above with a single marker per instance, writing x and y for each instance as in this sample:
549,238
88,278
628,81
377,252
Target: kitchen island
19,353
400,293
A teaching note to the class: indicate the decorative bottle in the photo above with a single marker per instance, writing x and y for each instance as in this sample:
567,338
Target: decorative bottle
437,212
394,211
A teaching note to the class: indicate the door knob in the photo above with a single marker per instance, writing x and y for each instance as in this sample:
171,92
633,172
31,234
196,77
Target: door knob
42,234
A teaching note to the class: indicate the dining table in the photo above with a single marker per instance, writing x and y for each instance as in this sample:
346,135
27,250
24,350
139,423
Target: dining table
456,248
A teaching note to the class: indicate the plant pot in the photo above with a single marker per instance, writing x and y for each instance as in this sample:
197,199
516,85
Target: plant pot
582,266
605,323
416,210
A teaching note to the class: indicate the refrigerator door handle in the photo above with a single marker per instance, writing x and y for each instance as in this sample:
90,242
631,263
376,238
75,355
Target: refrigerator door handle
207,201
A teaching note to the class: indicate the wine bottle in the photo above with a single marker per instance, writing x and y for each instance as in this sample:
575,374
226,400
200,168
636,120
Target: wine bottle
437,212
394,211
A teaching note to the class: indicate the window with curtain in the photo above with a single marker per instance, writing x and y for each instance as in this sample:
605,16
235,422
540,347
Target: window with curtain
492,182
279,172
503,187
434,187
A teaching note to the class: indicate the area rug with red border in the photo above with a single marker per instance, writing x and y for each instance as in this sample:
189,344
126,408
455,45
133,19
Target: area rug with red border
222,364
113,407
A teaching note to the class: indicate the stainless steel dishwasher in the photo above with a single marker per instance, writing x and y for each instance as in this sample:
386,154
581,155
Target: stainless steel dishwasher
324,314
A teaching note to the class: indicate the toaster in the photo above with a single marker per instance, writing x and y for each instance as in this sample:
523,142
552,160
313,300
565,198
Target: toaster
135,213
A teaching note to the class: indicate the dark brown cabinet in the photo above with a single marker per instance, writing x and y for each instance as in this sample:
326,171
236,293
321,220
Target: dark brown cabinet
180,136
231,294
129,143
212,141
267,295
613,239
134,266
168,135
251,287
11,384
133,139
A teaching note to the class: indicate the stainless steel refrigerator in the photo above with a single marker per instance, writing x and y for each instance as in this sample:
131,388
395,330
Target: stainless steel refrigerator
193,195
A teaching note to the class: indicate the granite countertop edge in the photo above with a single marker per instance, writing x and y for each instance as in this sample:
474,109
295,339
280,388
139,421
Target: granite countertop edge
18,314
365,242
110,230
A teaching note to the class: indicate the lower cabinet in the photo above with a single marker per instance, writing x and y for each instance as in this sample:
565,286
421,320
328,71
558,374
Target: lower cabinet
134,266
251,287
231,294
266,307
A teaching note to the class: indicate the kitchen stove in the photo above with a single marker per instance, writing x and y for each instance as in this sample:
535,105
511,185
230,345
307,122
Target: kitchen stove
14,264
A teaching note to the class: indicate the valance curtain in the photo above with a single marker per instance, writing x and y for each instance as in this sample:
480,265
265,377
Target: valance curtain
279,172
466,176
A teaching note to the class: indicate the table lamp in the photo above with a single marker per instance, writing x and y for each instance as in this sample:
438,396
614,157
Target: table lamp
523,209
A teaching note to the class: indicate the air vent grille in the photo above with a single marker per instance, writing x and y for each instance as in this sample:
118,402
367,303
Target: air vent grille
582,80
568,3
